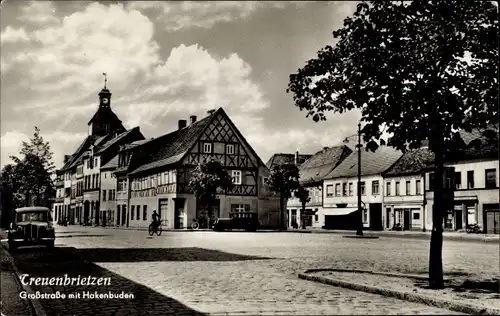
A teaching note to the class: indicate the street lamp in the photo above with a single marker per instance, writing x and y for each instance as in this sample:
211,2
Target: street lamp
359,231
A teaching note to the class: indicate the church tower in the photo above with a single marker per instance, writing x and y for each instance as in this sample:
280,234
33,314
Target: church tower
105,120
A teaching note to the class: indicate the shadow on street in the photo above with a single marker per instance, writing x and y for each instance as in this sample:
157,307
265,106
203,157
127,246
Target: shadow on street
59,262
159,254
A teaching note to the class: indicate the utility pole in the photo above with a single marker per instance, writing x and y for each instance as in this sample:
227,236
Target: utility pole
359,232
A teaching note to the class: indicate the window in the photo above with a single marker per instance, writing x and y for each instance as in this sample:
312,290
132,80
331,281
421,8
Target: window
417,187
229,149
110,195
337,189
397,187
96,162
236,176
138,212
365,216
351,189
344,189
104,195
264,180
470,179
240,208
458,180
375,187
490,176
408,189
329,190
431,181
416,216
362,188
388,188
132,212
316,217
207,148
144,212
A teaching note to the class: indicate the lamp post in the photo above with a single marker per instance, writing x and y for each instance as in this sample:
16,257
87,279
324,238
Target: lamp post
359,231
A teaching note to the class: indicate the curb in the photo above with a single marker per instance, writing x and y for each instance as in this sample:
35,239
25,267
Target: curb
35,306
403,295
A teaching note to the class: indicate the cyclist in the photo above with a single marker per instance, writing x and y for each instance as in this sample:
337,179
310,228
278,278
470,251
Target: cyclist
156,220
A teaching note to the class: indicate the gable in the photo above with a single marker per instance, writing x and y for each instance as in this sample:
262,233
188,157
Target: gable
223,135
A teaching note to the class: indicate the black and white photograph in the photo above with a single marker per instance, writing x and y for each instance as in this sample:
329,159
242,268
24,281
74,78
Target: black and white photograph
249,158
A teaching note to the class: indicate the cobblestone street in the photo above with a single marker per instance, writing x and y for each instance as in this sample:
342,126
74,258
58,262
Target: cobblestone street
242,273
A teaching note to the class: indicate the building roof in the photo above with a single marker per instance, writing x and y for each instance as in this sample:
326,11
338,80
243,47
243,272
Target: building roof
322,163
413,161
282,159
115,139
371,163
171,148
104,114
112,164
78,152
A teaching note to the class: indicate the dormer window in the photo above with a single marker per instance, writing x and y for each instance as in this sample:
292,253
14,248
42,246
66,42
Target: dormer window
207,148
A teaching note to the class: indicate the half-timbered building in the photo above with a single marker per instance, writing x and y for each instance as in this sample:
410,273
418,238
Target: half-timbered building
155,174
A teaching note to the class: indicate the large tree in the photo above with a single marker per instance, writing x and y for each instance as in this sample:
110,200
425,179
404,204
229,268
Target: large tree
283,180
32,172
420,69
206,178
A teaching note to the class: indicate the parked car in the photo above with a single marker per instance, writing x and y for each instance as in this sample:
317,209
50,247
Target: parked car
238,220
31,226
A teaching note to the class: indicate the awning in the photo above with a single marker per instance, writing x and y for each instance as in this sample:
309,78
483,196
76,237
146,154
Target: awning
341,211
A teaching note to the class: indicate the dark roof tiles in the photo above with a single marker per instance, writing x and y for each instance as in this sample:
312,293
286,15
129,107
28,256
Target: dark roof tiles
413,161
112,164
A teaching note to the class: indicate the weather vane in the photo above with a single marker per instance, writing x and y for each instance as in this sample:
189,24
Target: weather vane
105,79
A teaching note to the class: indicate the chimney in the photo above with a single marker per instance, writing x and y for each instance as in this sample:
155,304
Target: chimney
210,112
182,124
297,158
66,158
192,118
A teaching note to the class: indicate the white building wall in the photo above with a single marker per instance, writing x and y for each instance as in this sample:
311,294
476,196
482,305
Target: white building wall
371,195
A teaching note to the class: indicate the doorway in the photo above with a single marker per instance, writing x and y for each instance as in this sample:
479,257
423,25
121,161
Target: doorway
375,214
406,219
118,215
124,214
86,210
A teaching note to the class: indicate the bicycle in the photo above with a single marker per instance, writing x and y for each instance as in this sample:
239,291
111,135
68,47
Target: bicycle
195,225
158,229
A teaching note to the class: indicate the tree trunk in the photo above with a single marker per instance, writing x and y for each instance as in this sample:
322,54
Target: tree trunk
282,213
436,247
303,218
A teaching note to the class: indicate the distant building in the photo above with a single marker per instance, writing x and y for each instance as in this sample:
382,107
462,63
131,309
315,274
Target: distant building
282,159
340,190
404,196
475,180
312,173
80,175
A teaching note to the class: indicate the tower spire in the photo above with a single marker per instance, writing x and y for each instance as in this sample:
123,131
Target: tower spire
105,79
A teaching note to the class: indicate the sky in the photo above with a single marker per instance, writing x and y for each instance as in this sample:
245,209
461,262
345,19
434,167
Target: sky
164,62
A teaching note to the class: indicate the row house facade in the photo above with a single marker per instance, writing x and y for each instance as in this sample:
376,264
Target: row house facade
404,194
81,175
340,209
473,178
312,173
153,175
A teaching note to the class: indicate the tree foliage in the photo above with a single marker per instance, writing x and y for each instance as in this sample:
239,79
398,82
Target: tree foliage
421,69
403,65
283,180
206,178
29,179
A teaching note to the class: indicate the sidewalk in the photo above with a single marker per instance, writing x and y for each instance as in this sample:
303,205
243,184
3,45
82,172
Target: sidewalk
404,234
12,304
465,294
